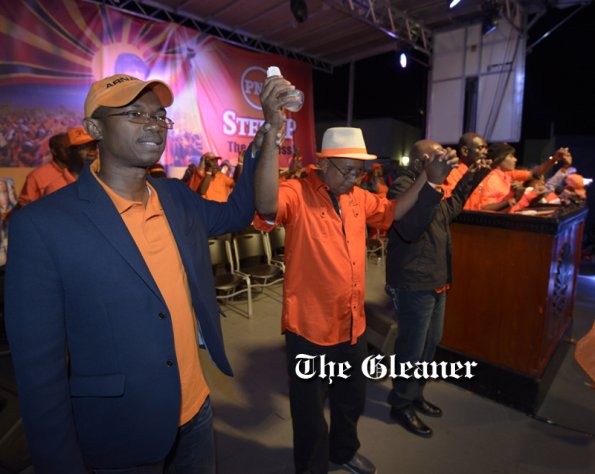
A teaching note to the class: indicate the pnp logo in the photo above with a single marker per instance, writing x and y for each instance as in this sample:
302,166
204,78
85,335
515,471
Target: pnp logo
251,83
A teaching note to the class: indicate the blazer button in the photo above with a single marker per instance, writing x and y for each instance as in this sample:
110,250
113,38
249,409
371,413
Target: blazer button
169,363
162,315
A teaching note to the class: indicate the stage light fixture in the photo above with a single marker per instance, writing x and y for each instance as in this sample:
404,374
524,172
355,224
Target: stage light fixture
299,10
453,3
403,60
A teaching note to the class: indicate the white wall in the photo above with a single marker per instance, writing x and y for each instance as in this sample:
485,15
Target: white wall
498,61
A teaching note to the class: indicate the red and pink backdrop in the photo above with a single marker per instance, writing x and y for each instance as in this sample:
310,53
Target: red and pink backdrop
52,50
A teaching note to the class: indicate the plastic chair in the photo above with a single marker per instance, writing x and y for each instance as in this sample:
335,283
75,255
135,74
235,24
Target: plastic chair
253,259
376,246
228,283
276,242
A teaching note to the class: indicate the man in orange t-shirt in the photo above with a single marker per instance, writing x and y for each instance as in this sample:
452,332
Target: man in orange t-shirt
325,218
49,177
471,148
216,185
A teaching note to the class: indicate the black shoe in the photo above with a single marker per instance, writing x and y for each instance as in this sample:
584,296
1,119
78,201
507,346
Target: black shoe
409,420
427,408
360,465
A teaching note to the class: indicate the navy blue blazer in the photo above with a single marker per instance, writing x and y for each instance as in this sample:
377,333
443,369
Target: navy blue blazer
90,334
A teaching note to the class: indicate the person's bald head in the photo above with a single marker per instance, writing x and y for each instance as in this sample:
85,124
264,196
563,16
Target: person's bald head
472,147
420,151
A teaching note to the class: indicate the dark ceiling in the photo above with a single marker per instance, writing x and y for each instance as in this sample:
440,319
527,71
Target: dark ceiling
336,31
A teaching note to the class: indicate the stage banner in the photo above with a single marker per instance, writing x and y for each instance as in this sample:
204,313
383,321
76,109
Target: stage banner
52,50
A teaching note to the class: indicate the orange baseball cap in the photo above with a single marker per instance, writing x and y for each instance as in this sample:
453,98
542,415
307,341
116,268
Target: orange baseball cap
576,182
78,136
120,89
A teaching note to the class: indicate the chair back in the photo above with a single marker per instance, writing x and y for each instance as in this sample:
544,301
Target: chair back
277,240
250,246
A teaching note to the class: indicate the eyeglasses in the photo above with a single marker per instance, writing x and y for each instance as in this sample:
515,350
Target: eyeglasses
353,173
144,118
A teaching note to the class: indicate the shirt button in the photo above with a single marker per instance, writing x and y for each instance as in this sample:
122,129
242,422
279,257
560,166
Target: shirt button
162,315
169,363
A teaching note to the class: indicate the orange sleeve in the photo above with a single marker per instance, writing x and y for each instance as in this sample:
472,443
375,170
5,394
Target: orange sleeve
30,191
288,201
380,211
521,175
494,190
523,202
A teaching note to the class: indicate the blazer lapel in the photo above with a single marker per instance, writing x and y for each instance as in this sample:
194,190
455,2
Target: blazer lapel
102,212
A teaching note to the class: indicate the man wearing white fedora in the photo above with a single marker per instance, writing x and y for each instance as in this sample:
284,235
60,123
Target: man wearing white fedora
325,218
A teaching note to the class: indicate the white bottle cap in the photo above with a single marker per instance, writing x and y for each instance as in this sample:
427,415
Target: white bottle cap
273,71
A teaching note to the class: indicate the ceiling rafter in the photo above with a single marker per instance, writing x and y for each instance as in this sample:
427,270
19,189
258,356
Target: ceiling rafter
158,13
383,15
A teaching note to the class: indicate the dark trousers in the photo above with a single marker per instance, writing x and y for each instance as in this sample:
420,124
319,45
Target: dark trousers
192,453
420,316
313,443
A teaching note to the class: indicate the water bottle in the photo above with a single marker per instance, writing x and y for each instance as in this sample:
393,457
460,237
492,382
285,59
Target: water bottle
273,71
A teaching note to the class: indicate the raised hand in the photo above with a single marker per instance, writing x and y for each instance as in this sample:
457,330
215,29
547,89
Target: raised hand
439,164
274,98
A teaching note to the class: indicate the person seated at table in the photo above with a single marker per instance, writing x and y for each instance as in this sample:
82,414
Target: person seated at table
497,191
575,191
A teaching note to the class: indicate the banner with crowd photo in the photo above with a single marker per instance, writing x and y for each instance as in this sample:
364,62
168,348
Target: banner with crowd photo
52,50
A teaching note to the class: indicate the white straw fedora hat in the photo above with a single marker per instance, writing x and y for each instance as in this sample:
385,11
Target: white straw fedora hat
344,142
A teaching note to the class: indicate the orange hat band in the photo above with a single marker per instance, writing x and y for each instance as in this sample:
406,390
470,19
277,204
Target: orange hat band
343,151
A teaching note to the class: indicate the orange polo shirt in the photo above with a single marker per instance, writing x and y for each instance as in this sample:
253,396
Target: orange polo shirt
44,180
150,230
220,188
324,285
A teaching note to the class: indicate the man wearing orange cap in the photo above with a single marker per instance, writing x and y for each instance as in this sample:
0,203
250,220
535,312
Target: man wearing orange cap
576,184
216,186
82,148
105,349
325,218
69,153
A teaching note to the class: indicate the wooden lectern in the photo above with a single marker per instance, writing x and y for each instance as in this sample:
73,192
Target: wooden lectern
512,299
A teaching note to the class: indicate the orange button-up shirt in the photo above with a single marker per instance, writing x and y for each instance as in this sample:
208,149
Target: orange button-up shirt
325,258
453,178
220,187
495,187
451,181
150,230
44,180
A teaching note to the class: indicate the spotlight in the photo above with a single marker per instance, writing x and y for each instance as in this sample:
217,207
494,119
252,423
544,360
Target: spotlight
453,3
404,160
403,60
299,10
